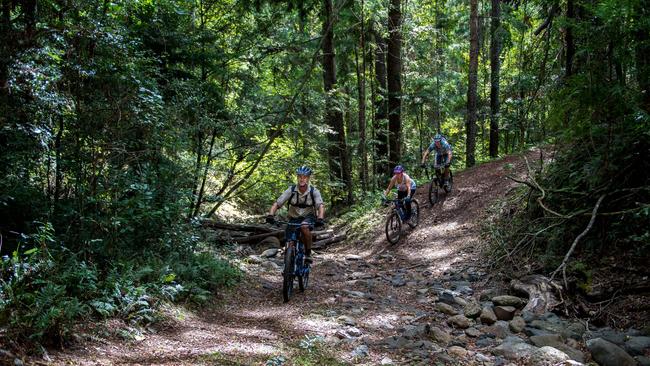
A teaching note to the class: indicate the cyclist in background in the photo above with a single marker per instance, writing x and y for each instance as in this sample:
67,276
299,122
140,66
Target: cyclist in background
443,155
305,207
405,188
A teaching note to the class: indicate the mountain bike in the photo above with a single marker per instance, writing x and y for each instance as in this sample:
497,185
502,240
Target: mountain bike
396,217
294,261
436,186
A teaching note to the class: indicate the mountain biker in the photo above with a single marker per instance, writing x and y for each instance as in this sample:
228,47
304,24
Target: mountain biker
405,188
443,155
305,207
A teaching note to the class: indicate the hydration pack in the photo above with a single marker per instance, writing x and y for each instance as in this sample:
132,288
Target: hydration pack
297,196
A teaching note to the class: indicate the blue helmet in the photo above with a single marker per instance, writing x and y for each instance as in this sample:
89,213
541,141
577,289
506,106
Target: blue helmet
398,169
437,137
304,170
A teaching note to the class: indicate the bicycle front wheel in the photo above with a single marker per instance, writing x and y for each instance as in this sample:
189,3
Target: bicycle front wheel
393,227
288,272
303,281
415,214
433,191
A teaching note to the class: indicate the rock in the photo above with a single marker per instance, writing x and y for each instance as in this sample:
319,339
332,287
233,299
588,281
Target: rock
447,297
255,259
517,324
440,336
643,360
354,332
574,330
423,291
472,332
548,356
472,310
347,320
507,300
353,257
608,354
457,351
482,358
504,312
360,352
398,281
355,293
386,361
459,321
270,266
488,316
498,329
416,331
637,345
446,308
270,253
18,362
341,334
555,341
514,351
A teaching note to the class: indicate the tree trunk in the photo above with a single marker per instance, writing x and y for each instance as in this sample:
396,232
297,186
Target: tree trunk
568,38
338,160
470,127
381,110
394,69
643,55
495,66
361,86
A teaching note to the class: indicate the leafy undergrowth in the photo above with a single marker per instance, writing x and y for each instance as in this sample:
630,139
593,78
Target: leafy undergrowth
46,290
362,218
534,229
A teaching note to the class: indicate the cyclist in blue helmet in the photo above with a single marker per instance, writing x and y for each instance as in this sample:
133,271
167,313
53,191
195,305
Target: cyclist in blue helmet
305,206
444,154
405,188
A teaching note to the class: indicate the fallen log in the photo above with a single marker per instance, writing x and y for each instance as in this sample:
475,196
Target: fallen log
260,237
541,293
322,243
237,227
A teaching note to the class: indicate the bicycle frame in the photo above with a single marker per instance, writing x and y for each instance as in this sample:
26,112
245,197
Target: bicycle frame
293,241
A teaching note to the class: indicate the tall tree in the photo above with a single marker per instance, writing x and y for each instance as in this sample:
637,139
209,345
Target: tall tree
394,75
495,69
470,127
361,81
381,108
337,151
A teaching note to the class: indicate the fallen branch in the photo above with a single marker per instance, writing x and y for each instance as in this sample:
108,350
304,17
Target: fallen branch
541,293
575,242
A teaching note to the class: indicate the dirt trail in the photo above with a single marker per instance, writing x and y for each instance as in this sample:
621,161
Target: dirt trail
365,293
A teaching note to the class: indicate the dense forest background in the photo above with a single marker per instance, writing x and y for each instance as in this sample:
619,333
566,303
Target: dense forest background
123,123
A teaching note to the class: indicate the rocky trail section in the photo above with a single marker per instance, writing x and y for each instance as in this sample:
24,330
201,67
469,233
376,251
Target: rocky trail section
427,300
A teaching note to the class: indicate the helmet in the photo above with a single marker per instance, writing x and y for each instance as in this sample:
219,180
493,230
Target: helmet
437,137
304,170
398,169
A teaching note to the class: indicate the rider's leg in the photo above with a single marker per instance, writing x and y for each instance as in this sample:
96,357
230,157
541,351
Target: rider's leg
307,238
407,204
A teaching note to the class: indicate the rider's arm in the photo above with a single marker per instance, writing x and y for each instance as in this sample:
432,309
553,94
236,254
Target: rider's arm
390,185
425,155
273,208
408,187
280,201
449,154
321,211
318,201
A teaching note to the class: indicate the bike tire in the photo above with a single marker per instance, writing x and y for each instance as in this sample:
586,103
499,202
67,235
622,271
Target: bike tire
451,183
415,214
288,273
433,191
303,281
393,227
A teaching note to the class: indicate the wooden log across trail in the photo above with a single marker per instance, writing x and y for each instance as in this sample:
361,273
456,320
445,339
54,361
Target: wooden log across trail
252,239
237,227
322,243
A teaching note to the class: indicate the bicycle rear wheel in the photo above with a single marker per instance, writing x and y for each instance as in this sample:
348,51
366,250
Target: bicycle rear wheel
393,227
288,272
415,213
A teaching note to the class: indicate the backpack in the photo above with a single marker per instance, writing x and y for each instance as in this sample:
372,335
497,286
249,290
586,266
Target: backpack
304,204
